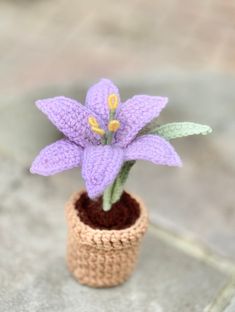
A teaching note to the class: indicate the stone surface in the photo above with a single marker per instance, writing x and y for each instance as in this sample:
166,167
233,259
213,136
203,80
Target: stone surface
161,282
231,307
33,271
102,38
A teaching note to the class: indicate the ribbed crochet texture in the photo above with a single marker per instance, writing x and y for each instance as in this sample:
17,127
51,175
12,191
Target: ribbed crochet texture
70,117
157,150
102,258
99,162
60,155
135,113
181,129
97,95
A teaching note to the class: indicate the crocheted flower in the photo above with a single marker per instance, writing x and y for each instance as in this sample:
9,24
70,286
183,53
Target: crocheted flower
101,135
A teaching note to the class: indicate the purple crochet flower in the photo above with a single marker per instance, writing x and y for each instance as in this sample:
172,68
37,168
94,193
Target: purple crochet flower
101,135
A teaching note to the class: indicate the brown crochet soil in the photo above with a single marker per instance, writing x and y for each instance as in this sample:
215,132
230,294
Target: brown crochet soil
122,215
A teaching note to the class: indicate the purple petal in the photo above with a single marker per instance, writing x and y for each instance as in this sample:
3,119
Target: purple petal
153,148
97,98
100,166
70,117
59,156
135,113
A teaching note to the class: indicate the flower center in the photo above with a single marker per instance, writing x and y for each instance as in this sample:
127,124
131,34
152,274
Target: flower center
113,125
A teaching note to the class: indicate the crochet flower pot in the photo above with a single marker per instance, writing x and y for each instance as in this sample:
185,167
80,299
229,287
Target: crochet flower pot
105,137
102,257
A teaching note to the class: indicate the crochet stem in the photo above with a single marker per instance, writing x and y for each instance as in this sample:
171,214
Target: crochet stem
107,195
113,193
109,134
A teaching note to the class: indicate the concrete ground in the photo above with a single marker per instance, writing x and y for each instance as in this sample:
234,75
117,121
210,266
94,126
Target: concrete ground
182,49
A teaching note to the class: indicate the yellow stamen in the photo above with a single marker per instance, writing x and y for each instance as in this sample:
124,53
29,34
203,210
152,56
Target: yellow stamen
93,122
97,130
113,102
113,125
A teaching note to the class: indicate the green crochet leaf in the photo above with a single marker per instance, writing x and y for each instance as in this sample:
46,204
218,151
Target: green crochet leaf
180,129
120,181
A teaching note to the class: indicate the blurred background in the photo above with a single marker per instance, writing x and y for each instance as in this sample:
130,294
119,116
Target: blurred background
177,48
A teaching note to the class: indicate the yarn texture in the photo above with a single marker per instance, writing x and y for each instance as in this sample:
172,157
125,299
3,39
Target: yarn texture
135,113
97,96
100,165
101,135
157,150
176,130
59,156
70,117
102,258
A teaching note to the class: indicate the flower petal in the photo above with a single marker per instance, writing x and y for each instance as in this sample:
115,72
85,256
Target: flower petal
100,166
97,98
57,157
153,148
135,113
70,117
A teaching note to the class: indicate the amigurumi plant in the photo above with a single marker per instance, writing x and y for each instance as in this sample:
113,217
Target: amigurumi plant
105,137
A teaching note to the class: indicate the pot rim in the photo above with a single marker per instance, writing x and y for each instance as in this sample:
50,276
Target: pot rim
102,238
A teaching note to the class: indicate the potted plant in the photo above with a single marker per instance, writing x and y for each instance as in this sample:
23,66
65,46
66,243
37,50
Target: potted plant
105,137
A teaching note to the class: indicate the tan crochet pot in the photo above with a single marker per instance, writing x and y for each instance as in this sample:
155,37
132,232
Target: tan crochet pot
102,258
